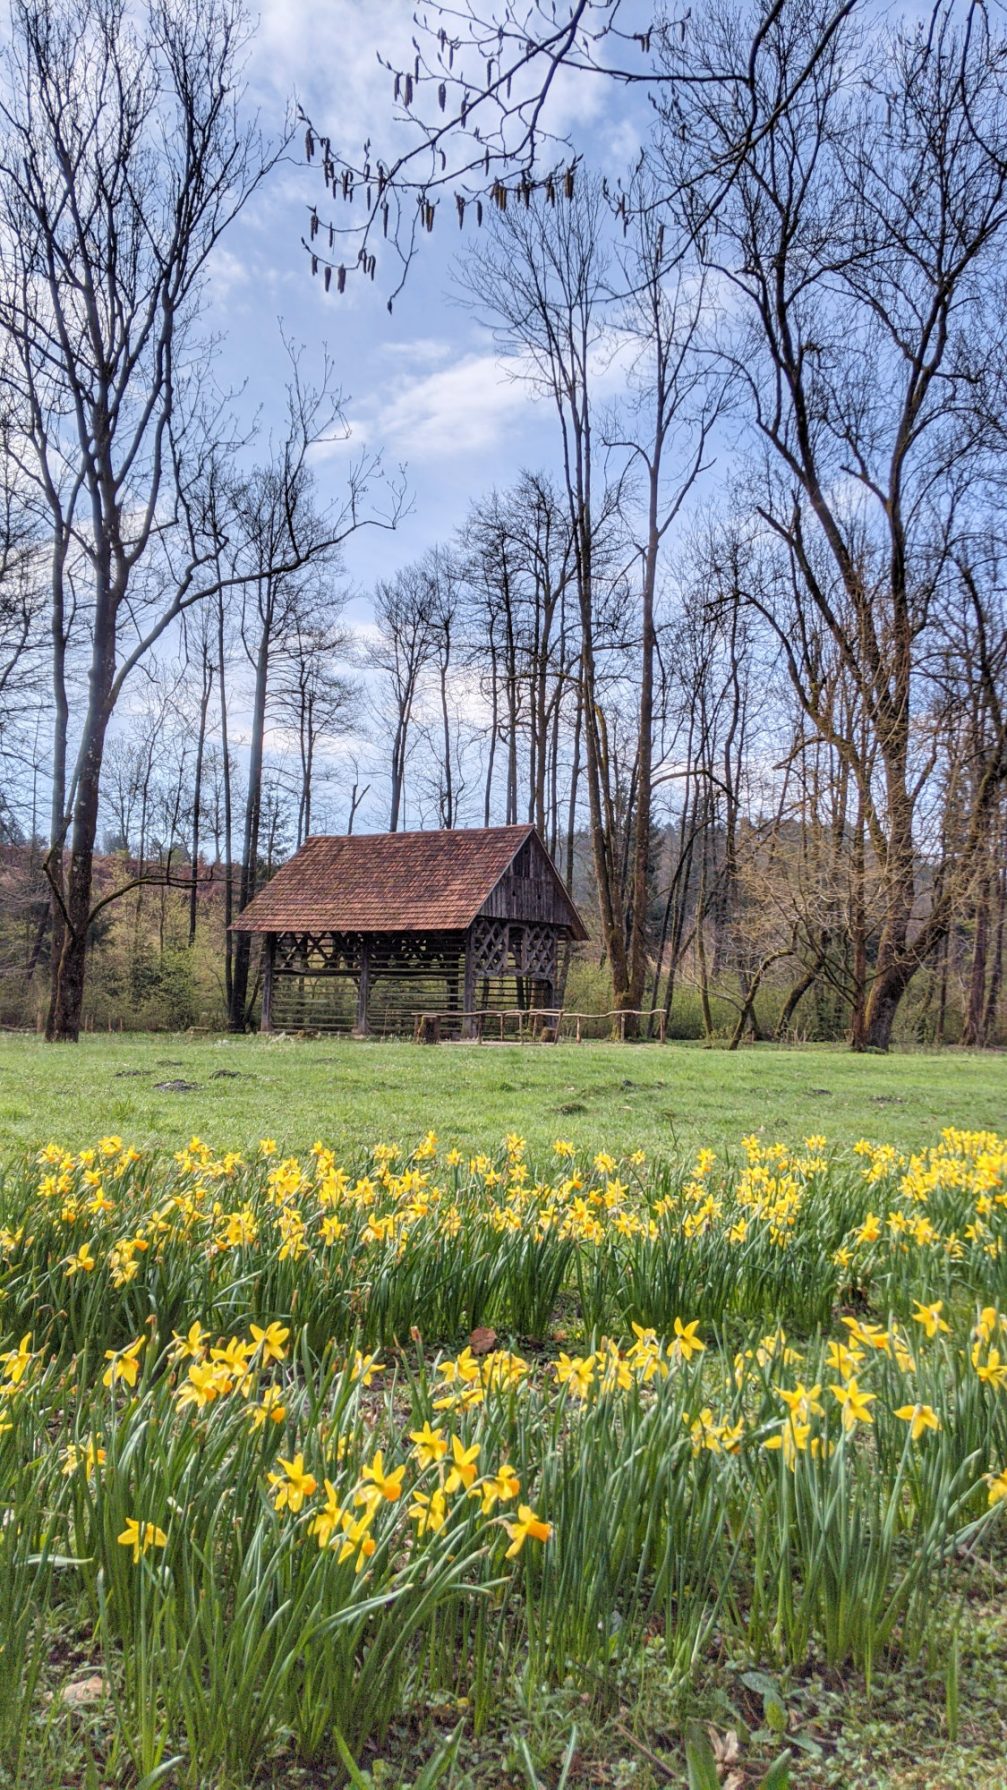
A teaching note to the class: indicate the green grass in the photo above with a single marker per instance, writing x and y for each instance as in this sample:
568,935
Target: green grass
663,1100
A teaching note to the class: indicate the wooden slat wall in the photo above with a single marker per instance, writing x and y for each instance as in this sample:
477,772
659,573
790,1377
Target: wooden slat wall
528,891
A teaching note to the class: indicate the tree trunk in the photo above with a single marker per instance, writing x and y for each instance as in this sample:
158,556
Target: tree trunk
973,1032
55,870
858,936
68,995
640,874
801,987
197,787
225,767
250,844
896,964
996,968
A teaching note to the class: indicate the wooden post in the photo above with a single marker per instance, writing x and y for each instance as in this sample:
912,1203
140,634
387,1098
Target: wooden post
363,988
468,986
268,959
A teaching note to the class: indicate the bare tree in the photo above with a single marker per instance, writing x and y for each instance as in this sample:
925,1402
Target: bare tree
199,640
542,281
401,653
471,96
674,403
517,556
122,162
284,560
314,700
861,238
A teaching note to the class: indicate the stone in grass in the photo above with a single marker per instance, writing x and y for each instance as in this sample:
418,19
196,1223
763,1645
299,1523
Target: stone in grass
176,1087
79,1692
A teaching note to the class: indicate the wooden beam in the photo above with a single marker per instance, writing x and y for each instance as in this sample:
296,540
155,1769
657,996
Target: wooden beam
268,960
469,987
363,987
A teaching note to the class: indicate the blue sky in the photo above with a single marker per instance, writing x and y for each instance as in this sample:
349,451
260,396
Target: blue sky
424,385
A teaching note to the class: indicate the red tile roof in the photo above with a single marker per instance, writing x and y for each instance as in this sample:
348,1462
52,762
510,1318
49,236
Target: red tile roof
391,882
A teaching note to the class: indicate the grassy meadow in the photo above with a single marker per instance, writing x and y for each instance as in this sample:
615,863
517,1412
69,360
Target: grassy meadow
667,1100
498,1419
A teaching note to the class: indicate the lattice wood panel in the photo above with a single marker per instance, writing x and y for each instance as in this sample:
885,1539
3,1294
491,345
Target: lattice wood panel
534,951
317,954
489,947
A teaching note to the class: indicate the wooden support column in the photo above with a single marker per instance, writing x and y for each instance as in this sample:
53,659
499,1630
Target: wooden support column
469,987
363,988
268,960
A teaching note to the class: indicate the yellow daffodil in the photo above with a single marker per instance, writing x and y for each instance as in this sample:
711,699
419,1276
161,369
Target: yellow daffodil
842,1360
365,1367
124,1364
430,1445
854,1403
326,1523
463,1466
191,1346
270,1408
141,1537
803,1402
89,1456
504,1485
929,1317
357,1539
429,1511
269,1341
575,1373
377,1485
81,1263
16,1362
919,1418
292,1485
792,1438
528,1526
993,1371
686,1343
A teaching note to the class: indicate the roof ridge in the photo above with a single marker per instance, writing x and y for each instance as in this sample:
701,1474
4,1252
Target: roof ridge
511,826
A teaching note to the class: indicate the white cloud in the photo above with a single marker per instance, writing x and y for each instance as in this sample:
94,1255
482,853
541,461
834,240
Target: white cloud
620,143
327,52
228,274
431,351
462,409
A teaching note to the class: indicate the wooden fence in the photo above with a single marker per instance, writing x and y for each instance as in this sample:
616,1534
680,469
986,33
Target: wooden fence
542,1025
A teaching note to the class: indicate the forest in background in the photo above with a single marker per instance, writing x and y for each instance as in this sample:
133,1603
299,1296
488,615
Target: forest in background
739,651
149,970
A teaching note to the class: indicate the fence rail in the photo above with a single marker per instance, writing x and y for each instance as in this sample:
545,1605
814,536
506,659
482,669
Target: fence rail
541,1024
